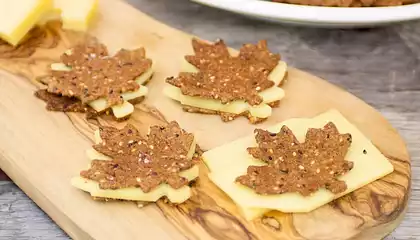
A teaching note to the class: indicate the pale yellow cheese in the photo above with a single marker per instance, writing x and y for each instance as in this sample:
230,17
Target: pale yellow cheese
232,160
236,107
125,108
19,16
121,110
53,15
75,14
136,194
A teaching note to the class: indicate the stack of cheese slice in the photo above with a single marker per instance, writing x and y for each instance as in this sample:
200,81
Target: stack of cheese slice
125,108
136,194
237,107
19,17
232,160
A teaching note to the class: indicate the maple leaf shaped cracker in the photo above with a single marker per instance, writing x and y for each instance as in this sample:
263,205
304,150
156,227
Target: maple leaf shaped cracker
139,162
87,73
299,167
227,78
95,75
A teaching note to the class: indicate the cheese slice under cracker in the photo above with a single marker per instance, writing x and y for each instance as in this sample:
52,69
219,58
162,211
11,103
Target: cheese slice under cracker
262,110
232,160
123,109
136,194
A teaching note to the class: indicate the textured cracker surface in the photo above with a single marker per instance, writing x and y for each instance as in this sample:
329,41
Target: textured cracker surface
381,66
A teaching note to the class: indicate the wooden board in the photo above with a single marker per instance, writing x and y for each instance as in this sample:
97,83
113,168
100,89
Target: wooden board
41,150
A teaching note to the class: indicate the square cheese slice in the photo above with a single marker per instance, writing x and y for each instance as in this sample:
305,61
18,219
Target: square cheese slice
18,17
232,160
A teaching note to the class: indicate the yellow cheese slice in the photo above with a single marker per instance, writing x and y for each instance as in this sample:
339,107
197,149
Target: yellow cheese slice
125,108
232,160
75,14
53,15
236,107
18,17
135,194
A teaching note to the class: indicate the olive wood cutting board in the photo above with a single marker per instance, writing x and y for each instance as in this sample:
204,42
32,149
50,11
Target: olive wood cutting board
41,151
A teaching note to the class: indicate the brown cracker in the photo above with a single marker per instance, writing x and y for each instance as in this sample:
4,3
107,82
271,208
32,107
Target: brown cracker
228,78
95,74
142,162
61,103
299,167
56,103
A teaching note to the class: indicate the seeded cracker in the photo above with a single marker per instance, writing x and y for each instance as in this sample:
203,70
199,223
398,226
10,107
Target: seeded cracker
139,162
227,78
59,103
96,75
90,74
299,167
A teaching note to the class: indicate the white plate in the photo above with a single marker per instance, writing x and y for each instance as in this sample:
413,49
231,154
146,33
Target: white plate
318,16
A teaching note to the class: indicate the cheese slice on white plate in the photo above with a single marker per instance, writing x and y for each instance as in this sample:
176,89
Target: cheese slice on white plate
263,110
123,109
19,16
231,160
136,194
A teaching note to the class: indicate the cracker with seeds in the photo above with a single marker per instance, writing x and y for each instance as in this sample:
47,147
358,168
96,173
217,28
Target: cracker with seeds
296,166
299,167
88,76
126,166
214,81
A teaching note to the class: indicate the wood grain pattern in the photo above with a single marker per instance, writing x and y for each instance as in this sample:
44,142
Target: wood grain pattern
369,213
